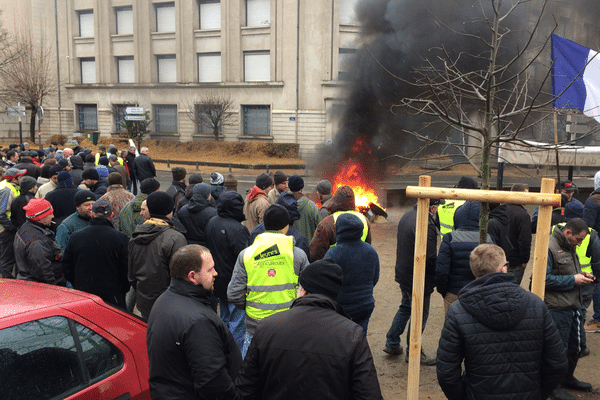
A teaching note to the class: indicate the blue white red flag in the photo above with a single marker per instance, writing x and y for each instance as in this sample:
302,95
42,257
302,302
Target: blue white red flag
578,67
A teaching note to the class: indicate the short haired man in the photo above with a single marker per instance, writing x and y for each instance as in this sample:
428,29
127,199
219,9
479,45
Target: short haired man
37,254
117,196
9,190
144,166
129,160
280,180
192,354
309,212
101,268
266,273
256,201
149,273
51,184
405,256
12,157
80,219
130,216
504,335
564,284
300,353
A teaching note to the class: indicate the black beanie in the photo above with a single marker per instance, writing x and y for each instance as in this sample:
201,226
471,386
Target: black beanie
276,218
322,277
160,204
295,183
103,160
90,174
149,185
195,178
263,181
82,196
467,183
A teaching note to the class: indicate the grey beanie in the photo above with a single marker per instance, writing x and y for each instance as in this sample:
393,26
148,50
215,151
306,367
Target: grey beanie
202,189
324,187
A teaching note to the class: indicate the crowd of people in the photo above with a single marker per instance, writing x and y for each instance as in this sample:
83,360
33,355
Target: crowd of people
292,280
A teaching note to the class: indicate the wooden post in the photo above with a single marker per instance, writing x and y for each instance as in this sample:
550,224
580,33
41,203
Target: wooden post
540,257
418,289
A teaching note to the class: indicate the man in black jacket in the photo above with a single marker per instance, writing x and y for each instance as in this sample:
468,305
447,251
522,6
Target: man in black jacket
504,334
195,215
95,260
226,237
405,253
311,351
144,166
192,354
519,233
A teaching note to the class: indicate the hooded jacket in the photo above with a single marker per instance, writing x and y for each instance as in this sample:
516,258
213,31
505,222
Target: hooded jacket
453,269
76,170
324,237
519,233
311,351
591,210
405,251
507,339
192,354
226,237
150,250
130,216
194,216
254,207
360,264
498,227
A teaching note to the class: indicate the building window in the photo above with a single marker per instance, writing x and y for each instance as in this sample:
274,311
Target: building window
119,112
206,116
88,117
125,70
86,23
344,63
257,66
88,70
165,17
167,68
209,67
257,120
124,17
165,118
258,12
348,12
210,14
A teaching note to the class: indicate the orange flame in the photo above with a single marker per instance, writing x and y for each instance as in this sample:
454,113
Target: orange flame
353,175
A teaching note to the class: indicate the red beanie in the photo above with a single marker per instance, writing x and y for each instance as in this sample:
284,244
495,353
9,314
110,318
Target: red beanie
38,209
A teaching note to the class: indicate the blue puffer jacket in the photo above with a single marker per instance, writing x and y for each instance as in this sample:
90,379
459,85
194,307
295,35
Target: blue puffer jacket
360,264
453,271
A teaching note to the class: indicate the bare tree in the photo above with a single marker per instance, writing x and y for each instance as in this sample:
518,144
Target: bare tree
30,77
494,97
211,113
7,54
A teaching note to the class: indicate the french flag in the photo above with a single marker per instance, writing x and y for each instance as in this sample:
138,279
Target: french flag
579,67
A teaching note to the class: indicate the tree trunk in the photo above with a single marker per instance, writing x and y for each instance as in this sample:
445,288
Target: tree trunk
32,124
216,132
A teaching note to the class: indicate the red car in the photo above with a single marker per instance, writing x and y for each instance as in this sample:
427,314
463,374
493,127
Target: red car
58,343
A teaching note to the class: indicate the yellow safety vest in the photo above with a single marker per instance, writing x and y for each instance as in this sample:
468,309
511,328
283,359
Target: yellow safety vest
272,281
97,159
581,250
7,184
446,215
360,216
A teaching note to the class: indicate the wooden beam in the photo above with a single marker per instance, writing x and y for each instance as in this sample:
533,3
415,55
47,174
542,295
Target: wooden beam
540,255
485,196
418,290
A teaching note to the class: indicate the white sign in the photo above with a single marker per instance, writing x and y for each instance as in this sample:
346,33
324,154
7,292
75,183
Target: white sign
16,114
16,108
135,110
135,117
536,153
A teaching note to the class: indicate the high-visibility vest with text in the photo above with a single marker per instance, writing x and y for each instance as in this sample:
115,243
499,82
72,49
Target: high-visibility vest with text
446,215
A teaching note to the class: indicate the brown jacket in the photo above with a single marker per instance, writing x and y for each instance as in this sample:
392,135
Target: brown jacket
255,205
324,237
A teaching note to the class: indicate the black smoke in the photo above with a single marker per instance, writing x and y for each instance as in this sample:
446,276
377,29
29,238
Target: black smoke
398,35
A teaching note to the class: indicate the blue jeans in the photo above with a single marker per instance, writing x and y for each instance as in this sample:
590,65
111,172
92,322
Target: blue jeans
247,341
392,339
596,300
233,318
132,187
362,318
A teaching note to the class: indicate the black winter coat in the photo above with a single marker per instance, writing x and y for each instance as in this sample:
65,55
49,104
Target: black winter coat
519,223
37,254
192,353
62,202
95,261
226,237
405,251
144,167
507,339
32,170
194,216
499,229
17,214
310,351
99,188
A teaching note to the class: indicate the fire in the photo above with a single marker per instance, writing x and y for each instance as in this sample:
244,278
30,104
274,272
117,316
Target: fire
353,175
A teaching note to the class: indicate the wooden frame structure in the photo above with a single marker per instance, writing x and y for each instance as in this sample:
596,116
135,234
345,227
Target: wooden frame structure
424,192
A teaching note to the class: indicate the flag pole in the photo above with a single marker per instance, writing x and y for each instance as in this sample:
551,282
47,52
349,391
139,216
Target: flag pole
556,147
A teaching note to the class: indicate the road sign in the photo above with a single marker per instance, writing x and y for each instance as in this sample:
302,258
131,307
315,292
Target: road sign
16,114
19,108
135,117
135,110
